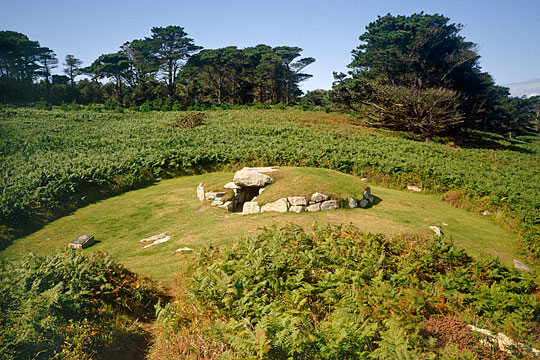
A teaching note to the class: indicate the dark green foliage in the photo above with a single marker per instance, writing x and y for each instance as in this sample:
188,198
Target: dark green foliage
67,305
425,53
56,161
260,74
336,293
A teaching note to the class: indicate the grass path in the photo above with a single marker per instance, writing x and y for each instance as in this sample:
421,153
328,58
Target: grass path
119,223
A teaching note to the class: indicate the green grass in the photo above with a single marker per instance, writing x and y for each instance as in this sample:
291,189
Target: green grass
119,223
306,181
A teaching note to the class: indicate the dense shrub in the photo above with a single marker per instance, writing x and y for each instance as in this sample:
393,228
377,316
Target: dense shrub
67,305
336,293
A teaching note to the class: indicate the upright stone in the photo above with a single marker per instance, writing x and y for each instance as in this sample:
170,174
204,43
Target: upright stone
251,207
367,193
352,203
200,192
363,203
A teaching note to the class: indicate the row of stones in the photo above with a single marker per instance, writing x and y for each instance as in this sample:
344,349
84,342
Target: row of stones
216,197
299,204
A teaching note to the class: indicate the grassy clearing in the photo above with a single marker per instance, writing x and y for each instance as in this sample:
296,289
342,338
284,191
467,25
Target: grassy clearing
171,205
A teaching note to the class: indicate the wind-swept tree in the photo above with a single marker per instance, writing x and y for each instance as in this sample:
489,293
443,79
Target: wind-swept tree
48,61
72,68
114,66
292,74
171,47
143,63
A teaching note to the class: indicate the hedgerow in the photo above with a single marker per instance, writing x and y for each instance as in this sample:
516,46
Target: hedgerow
336,293
67,305
54,162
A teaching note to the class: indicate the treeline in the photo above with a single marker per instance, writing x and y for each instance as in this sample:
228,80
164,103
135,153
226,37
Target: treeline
410,73
417,74
166,68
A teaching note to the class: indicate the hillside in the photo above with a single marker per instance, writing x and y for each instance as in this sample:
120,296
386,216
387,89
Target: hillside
57,161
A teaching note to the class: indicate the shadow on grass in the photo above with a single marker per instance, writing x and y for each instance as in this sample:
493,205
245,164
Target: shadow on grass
376,201
489,141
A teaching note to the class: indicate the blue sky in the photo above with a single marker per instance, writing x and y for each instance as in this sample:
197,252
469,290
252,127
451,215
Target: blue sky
506,32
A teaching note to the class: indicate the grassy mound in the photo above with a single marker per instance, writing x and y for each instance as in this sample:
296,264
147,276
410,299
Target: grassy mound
171,206
306,181
337,293
295,181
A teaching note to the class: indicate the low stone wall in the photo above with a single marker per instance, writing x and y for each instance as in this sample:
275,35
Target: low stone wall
250,182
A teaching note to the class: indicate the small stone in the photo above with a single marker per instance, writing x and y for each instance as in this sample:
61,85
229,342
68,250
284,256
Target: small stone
318,197
231,185
212,195
200,192
363,203
367,193
82,242
364,179
261,190
184,249
352,203
521,266
154,237
297,208
216,203
314,207
436,230
297,200
228,205
329,205
280,205
157,242
413,188
486,213
251,207
444,224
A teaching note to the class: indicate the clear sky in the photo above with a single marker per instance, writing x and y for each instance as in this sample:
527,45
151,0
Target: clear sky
506,31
